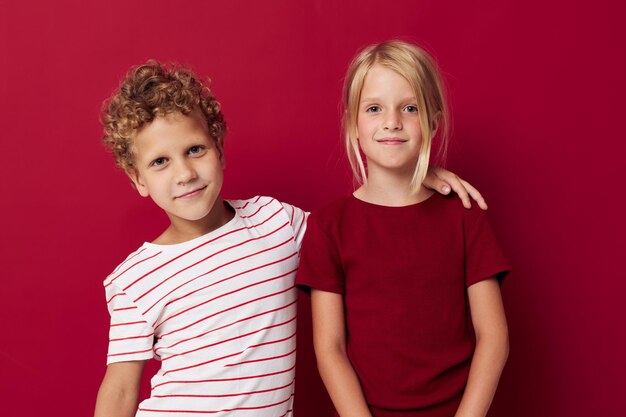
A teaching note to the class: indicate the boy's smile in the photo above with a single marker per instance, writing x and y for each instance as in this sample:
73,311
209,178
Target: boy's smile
192,193
179,166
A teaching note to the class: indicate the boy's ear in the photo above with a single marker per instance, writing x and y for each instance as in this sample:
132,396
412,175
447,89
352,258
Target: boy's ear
138,183
220,150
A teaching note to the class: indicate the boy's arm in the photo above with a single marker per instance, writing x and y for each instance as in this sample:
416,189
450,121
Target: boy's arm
119,391
492,348
442,180
334,366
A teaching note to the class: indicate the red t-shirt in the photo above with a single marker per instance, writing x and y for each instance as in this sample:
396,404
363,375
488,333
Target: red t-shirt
403,272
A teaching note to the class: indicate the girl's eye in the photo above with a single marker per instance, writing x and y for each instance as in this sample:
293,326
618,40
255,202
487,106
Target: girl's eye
194,150
411,109
372,109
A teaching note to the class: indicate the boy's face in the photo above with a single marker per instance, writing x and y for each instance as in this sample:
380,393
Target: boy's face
179,166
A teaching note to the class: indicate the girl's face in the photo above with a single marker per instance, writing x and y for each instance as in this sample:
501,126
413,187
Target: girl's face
388,123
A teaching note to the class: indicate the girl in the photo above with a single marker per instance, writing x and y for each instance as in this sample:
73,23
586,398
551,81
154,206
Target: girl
407,314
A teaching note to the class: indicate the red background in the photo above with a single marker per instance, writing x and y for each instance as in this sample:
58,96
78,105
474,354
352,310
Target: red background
537,90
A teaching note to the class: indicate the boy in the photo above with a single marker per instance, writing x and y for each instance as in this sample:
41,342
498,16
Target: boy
213,297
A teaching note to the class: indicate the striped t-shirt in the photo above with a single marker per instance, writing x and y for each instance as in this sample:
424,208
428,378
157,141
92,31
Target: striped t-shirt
218,311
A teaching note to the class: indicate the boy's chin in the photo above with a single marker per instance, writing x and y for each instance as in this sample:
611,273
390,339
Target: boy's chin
189,217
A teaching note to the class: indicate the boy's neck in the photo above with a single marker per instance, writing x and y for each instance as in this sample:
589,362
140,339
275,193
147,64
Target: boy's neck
182,230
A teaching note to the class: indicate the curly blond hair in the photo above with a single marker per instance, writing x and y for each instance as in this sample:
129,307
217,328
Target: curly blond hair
151,90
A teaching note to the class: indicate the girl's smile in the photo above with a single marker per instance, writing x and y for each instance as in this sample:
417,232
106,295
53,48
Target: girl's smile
391,141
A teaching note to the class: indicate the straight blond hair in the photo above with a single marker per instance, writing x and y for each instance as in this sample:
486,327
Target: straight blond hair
422,74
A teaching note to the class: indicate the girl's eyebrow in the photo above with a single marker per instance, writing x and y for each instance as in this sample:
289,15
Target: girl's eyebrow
375,99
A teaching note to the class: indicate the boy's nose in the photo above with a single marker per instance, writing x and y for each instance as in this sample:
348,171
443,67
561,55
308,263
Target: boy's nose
185,172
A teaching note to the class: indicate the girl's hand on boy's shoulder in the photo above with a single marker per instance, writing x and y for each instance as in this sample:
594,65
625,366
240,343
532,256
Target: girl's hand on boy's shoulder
443,181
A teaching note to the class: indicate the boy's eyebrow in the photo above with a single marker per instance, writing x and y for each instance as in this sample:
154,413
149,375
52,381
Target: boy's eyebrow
148,158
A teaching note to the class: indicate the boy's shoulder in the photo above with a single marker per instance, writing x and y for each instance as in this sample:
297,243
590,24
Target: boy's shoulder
141,256
152,260
249,206
267,207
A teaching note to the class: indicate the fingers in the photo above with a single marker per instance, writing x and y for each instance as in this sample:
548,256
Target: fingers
458,186
475,194
455,183
443,181
436,182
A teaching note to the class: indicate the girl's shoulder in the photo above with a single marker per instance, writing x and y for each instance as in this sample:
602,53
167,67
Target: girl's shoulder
452,205
336,204
334,209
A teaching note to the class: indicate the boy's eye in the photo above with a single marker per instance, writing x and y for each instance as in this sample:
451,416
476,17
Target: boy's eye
411,108
158,162
372,109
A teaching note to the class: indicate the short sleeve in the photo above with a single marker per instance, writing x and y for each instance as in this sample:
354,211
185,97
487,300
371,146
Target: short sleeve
130,336
320,264
298,222
483,255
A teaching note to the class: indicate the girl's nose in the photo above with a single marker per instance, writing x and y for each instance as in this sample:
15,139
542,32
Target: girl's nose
392,121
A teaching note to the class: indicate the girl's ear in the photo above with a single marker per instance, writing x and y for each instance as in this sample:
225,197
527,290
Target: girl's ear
435,122
137,182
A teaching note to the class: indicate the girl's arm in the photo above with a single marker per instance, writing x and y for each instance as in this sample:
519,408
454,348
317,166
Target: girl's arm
492,348
119,392
334,366
441,180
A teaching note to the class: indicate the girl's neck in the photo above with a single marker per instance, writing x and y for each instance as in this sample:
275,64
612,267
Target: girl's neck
391,191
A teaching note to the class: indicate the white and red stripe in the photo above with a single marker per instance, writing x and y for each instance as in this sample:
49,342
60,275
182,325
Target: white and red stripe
219,312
